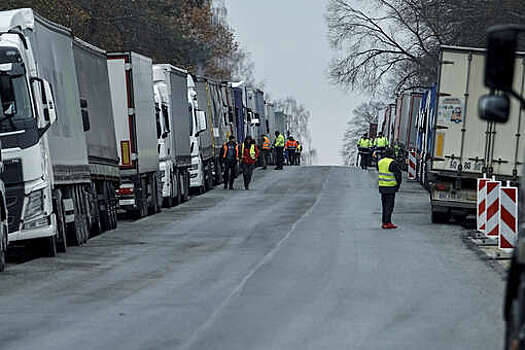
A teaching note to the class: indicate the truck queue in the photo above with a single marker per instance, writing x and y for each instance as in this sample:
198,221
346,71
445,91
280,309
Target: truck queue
88,134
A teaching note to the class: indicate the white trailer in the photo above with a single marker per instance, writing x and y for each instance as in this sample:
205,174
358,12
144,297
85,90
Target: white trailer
131,84
464,146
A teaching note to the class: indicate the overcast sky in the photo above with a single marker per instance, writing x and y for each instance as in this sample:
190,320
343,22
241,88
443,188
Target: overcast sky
289,45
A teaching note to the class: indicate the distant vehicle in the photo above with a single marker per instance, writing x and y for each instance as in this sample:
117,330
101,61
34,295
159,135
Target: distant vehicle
173,132
504,71
45,153
131,84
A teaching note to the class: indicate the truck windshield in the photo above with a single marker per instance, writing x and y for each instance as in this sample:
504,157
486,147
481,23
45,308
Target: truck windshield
16,103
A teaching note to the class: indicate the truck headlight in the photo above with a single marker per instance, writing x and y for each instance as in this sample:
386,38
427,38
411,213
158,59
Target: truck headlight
35,205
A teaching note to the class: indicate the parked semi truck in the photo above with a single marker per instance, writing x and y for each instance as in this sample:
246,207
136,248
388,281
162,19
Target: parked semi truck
466,147
131,85
95,102
407,108
174,127
44,148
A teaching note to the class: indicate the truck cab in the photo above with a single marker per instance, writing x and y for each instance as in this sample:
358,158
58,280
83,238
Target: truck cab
199,124
28,111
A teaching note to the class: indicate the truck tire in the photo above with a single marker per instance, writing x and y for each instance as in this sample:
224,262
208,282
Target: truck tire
440,217
61,224
47,247
3,247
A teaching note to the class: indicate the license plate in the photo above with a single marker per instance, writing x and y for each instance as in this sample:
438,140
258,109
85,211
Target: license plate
124,202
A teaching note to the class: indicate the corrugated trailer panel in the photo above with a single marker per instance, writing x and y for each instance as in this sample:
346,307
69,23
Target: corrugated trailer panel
53,48
93,84
206,137
180,116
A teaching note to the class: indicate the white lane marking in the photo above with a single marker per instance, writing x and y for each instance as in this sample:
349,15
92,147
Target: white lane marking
239,288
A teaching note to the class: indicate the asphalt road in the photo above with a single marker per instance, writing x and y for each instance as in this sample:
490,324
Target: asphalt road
299,262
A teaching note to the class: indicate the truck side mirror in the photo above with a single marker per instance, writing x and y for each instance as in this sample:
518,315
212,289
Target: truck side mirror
494,108
50,113
500,61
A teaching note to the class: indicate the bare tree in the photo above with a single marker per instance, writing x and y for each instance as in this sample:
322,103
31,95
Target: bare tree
362,117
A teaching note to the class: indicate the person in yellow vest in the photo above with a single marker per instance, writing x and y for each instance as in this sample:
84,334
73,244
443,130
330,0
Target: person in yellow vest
279,150
390,179
266,148
298,152
364,147
250,153
380,144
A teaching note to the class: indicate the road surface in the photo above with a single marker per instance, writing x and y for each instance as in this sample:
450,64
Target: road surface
299,262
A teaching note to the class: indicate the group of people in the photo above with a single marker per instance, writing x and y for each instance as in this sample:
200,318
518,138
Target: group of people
248,153
369,148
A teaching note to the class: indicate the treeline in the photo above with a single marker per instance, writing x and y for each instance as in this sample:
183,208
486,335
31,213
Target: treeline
181,32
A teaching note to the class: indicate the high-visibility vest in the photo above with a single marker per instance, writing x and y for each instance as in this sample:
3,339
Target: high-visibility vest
252,151
279,142
364,143
386,177
292,145
299,147
267,144
381,142
225,151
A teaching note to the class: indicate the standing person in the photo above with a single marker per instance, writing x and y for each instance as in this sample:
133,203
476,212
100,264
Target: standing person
298,153
291,147
229,156
380,144
279,150
250,153
364,147
389,181
266,147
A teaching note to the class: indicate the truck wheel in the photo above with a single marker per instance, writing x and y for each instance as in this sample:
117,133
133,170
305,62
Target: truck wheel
440,217
61,232
3,247
47,247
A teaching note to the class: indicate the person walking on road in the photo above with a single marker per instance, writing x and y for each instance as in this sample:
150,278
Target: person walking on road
279,150
380,144
298,153
390,179
229,156
266,147
364,147
291,147
250,153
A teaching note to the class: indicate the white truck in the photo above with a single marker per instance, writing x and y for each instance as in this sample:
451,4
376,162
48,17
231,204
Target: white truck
200,153
465,146
131,85
43,133
95,100
4,239
173,124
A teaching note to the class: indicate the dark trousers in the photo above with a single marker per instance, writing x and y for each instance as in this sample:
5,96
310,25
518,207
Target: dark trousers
291,156
297,158
279,154
265,155
229,173
388,200
247,172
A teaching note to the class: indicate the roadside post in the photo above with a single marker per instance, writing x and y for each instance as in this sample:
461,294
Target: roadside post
493,206
412,165
508,218
481,207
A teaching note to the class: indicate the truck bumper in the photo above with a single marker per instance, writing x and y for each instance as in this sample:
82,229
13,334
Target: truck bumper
39,232
196,179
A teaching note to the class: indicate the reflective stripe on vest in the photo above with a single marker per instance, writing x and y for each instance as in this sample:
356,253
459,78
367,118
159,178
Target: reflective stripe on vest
381,142
225,151
267,144
386,177
279,142
364,143
252,151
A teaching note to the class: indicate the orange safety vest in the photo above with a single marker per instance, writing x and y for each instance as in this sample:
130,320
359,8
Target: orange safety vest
291,144
225,151
267,144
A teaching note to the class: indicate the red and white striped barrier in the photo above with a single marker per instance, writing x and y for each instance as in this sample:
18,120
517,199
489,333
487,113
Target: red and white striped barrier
412,165
508,222
492,224
481,215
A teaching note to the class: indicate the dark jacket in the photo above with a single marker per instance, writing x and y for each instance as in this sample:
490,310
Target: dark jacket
396,169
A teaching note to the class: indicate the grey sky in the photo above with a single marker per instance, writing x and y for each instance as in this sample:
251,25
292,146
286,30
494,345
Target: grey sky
289,45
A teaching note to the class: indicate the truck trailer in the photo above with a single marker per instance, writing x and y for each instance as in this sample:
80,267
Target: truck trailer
95,102
464,146
47,177
171,102
133,103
